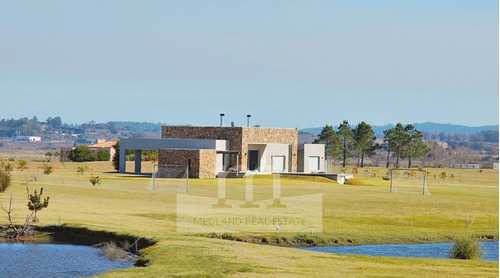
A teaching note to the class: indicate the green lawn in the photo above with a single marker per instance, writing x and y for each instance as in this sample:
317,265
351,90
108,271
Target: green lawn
352,214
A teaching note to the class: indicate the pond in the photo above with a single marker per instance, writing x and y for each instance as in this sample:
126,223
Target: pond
53,260
431,250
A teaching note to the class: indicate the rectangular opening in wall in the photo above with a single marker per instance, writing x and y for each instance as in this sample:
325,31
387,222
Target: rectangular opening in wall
314,163
278,163
253,160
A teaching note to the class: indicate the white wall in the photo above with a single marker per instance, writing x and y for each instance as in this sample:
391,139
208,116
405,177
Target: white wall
218,163
267,152
312,150
222,145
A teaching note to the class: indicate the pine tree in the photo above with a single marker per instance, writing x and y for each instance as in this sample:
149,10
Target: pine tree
363,141
35,203
346,136
331,139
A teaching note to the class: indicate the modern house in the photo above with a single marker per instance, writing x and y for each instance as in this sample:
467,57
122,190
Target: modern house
209,152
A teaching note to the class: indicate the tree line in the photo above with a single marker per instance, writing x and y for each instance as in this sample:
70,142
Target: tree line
490,136
404,142
54,125
83,153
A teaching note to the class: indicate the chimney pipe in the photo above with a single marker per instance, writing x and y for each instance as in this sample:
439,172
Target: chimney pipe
248,120
222,120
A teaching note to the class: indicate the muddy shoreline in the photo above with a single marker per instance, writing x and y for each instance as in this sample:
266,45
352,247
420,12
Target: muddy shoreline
83,236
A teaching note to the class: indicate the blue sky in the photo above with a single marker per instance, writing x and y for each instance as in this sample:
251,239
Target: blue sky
288,63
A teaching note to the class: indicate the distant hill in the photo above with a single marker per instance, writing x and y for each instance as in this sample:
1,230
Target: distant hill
53,129
139,126
427,127
306,138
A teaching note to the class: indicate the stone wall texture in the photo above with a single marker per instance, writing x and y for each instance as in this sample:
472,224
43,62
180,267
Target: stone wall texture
239,138
207,164
173,162
256,135
233,134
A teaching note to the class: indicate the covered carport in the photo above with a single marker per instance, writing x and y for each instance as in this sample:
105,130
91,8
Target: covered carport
139,145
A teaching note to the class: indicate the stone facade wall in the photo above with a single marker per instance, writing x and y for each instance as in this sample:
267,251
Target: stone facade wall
168,158
233,134
202,163
207,164
253,135
239,138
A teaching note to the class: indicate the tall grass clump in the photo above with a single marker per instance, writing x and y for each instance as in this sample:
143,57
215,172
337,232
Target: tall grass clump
467,247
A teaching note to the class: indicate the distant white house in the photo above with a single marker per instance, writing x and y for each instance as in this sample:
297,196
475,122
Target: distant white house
27,138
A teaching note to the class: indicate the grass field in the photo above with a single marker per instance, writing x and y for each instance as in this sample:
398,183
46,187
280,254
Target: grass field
365,213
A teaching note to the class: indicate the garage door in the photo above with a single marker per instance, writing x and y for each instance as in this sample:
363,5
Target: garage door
278,163
314,163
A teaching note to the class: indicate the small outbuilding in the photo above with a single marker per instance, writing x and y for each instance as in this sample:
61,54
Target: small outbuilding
311,158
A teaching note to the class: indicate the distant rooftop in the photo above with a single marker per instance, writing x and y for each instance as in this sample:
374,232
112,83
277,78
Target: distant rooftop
103,144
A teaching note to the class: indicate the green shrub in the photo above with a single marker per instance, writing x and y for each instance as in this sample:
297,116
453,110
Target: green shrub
102,155
5,180
82,169
80,154
227,236
467,248
213,235
47,169
95,180
22,165
8,167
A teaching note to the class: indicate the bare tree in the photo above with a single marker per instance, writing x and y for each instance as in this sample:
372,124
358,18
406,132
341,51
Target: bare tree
17,231
465,155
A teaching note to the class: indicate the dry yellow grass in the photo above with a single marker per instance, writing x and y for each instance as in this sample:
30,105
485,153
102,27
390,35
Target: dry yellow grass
361,213
72,167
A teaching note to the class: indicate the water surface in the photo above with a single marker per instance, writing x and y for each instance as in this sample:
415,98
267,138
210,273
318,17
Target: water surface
430,250
53,260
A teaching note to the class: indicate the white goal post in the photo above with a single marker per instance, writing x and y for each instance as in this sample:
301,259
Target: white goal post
409,178
169,171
